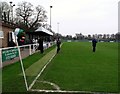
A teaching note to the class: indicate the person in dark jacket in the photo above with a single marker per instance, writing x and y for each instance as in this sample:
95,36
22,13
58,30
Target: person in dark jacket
58,45
94,42
40,47
11,43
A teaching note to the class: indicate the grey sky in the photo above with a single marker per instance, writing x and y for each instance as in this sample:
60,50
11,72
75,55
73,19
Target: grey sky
81,16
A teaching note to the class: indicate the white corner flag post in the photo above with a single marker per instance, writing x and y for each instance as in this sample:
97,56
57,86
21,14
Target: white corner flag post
17,31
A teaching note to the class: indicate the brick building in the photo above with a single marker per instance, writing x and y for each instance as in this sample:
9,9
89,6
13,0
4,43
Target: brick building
6,28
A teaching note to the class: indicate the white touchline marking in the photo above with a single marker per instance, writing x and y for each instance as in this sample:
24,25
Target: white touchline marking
65,91
53,84
41,72
58,90
31,85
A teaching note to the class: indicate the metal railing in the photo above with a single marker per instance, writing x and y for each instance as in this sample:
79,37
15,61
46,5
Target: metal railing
10,55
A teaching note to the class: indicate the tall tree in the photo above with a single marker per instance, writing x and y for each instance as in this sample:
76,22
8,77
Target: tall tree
4,11
23,12
29,17
117,36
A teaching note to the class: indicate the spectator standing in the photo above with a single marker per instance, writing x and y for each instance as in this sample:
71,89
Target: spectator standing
11,43
58,45
94,42
40,47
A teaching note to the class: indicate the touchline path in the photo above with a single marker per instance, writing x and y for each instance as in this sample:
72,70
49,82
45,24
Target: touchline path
35,68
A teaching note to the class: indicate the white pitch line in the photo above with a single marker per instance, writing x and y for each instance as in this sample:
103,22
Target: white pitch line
41,72
31,85
61,91
50,83
65,91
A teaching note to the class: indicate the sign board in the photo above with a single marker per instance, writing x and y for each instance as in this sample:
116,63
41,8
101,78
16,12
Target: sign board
1,34
9,54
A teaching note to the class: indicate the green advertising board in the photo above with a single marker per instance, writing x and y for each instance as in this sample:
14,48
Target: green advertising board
9,54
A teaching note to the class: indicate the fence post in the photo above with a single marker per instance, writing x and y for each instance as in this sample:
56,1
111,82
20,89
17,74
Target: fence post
0,71
30,49
0,58
33,48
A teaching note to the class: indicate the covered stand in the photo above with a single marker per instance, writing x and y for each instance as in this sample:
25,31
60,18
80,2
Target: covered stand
40,32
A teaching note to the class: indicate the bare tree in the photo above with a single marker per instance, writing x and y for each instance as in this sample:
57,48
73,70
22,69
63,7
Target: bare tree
112,36
28,17
104,36
89,36
38,17
108,36
117,36
4,11
23,13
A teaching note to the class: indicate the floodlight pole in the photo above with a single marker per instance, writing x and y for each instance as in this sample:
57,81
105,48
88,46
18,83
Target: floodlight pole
58,27
50,18
11,10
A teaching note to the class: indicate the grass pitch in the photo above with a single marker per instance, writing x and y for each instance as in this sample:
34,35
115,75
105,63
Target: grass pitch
74,68
12,78
77,68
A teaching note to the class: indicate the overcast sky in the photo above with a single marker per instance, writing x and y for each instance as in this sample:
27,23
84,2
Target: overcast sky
81,16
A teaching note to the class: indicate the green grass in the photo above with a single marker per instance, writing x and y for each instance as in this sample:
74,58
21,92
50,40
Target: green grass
35,68
12,81
76,67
